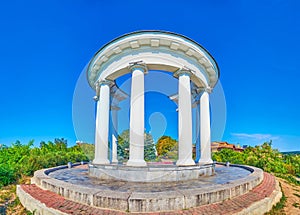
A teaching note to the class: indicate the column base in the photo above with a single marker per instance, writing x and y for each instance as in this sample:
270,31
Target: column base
205,161
136,163
115,161
101,161
185,162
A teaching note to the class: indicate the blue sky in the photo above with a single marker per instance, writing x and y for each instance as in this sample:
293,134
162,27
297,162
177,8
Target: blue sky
45,45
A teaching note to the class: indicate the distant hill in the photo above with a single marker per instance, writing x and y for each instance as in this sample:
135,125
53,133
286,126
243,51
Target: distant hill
292,153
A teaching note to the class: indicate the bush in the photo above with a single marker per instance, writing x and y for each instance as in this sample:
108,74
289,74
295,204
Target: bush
7,175
18,159
262,156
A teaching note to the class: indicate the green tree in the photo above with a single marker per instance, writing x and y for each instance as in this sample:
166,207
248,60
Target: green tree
61,144
149,148
123,147
88,150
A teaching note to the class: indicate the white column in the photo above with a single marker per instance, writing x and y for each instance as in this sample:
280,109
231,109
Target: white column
102,125
205,128
137,124
114,111
185,146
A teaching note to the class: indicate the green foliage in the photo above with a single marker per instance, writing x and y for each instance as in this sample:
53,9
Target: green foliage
289,178
88,150
149,148
7,175
229,155
167,147
123,147
264,157
19,159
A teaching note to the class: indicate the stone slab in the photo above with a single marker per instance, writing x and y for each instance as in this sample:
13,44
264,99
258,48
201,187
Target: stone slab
257,201
158,201
111,199
150,174
77,185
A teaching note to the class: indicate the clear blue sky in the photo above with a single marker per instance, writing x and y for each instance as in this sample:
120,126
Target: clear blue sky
44,46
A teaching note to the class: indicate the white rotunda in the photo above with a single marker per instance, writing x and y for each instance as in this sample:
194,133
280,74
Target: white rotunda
137,53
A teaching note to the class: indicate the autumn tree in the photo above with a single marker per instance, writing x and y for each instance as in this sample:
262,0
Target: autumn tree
167,147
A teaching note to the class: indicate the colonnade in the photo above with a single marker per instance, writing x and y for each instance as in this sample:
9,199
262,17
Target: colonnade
137,124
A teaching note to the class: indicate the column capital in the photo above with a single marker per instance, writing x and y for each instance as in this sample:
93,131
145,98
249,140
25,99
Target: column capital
105,82
138,65
207,89
97,89
98,84
183,71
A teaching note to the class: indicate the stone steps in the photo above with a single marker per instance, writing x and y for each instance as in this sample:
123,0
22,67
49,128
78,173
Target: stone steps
257,201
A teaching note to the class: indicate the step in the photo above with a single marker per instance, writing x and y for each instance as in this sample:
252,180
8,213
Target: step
257,201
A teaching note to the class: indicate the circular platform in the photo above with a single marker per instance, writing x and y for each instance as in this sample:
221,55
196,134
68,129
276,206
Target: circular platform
77,185
151,173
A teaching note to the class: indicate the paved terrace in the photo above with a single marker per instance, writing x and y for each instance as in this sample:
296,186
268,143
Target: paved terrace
79,176
255,200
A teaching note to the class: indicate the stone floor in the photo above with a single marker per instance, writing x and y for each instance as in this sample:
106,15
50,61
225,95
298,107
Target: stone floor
231,206
80,176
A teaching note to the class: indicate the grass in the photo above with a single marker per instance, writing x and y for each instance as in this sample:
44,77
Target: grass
296,194
278,208
289,178
11,202
296,205
6,193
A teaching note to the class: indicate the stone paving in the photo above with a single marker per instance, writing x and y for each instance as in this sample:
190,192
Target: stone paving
231,206
79,176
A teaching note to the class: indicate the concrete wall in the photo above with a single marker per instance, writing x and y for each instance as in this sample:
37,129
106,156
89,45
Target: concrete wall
148,201
35,206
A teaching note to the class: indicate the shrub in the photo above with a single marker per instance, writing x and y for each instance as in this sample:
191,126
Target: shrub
7,175
18,159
